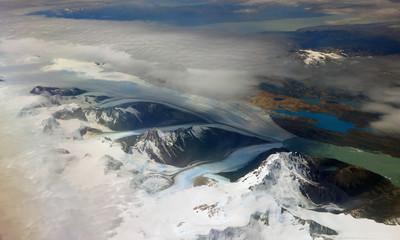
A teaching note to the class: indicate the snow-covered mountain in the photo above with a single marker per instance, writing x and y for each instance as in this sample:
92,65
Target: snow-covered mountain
186,145
315,58
296,179
139,115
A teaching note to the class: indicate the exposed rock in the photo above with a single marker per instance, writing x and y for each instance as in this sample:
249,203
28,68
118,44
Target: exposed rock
39,90
67,114
359,192
259,221
229,233
212,209
50,125
201,181
184,146
262,217
111,164
316,229
85,130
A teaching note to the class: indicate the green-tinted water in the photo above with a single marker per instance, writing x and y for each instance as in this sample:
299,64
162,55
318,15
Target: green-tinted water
379,163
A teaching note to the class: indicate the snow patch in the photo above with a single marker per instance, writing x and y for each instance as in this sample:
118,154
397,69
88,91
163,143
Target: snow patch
315,58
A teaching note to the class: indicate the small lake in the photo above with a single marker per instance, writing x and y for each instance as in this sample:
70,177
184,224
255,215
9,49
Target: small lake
326,121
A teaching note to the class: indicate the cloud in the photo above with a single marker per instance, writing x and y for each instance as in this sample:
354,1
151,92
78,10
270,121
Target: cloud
389,123
202,62
207,63
386,101
375,78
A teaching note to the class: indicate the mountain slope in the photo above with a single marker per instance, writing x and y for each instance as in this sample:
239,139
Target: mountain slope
317,183
184,146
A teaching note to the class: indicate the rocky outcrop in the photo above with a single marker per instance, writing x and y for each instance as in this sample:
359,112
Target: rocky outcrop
67,114
39,90
50,125
259,221
184,146
111,164
85,130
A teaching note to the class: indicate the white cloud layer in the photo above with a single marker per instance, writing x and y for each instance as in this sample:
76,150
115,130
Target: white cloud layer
180,58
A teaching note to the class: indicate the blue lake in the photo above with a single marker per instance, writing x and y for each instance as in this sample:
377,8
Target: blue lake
326,121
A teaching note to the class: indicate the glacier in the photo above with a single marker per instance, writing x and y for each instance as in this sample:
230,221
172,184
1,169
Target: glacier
82,185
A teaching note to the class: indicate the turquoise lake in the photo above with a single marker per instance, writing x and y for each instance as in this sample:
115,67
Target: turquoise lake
326,121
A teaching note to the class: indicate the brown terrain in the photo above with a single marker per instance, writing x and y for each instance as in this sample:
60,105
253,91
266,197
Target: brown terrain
367,140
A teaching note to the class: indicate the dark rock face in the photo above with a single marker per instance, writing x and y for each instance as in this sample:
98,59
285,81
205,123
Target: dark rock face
229,233
262,219
315,228
67,114
318,229
50,125
39,90
339,182
184,146
111,164
85,130
140,115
